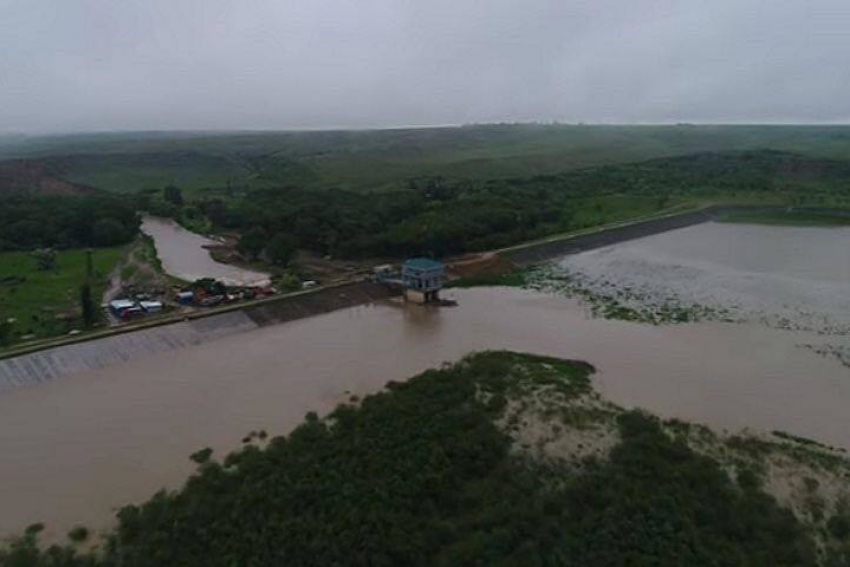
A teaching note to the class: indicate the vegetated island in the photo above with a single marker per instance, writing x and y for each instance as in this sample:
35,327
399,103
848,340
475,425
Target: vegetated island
500,459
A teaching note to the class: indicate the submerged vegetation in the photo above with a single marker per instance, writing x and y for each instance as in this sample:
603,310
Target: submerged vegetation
438,470
605,301
610,300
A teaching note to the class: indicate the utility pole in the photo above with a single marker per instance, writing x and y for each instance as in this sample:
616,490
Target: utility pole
86,302
89,265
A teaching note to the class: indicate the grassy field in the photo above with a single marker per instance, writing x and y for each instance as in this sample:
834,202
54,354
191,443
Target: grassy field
375,160
46,303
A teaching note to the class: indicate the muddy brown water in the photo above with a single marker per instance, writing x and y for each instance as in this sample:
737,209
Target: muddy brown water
183,255
76,448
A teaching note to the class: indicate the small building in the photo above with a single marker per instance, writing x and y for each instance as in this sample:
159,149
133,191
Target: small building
422,279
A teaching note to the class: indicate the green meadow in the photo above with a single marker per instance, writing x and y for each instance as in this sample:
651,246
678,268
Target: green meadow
46,303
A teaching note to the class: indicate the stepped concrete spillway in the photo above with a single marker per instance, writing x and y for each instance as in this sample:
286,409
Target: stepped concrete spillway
70,359
52,363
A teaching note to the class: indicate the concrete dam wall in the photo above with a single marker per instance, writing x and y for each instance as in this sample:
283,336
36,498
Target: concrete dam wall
541,251
50,364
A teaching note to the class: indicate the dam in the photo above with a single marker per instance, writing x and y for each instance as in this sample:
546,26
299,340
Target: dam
52,363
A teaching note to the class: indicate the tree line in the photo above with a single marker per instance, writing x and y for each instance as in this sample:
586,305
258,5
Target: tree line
28,222
440,217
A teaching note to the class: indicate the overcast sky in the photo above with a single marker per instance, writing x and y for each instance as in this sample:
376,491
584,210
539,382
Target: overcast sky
271,64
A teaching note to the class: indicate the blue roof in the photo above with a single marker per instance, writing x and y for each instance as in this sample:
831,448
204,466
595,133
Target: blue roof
423,264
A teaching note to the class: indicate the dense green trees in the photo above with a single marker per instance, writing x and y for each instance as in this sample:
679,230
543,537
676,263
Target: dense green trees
252,242
28,222
281,249
107,232
434,216
172,195
420,475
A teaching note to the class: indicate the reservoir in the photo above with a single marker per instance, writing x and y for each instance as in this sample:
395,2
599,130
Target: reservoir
782,276
77,447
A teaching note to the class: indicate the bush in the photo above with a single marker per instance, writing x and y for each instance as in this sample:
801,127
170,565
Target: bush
108,232
839,526
201,456
78,534
281,249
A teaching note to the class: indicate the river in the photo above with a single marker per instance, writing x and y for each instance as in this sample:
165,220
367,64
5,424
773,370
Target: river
77,447
183,255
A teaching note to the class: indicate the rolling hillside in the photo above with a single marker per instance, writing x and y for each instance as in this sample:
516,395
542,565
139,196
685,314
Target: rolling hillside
375,160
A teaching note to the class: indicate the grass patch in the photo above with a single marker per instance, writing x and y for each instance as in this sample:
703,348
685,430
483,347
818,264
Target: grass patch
788,218
146,253
515,278
47,303
128,271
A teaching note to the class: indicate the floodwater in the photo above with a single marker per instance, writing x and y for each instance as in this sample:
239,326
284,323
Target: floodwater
76,448
783,276
183,255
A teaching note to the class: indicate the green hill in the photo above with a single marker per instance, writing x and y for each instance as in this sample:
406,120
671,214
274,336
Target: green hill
375,160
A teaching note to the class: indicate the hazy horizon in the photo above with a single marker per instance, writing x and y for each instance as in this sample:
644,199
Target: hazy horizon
379,128
95,66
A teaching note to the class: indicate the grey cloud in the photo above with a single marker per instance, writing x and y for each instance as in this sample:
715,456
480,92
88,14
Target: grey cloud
223,64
